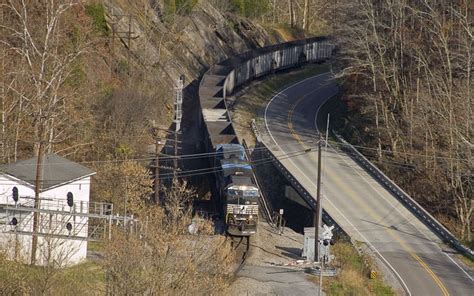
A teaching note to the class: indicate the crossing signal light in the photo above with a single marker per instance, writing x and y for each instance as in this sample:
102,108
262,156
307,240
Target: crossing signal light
15,194
327,242
14,221
70,199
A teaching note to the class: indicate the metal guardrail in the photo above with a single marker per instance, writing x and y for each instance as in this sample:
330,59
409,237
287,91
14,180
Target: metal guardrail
407,200
304,193
263,196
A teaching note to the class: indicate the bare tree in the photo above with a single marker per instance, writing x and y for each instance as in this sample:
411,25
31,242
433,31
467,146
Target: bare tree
291,12
46,63
305,14
165,258
413,63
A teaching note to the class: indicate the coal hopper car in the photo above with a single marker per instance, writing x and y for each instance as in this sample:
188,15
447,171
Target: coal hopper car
234,183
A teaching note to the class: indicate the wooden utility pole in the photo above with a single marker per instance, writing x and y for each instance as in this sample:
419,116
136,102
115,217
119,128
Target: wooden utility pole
317,214
123,34
36,214
157,169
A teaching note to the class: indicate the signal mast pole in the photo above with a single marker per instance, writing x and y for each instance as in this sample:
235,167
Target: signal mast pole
178,115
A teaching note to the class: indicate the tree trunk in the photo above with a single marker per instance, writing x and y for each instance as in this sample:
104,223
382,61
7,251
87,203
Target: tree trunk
291,11
305,15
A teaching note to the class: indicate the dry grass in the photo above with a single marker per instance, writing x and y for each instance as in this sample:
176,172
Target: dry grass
288,33
469,262
19,279
250,102
353,278
164,259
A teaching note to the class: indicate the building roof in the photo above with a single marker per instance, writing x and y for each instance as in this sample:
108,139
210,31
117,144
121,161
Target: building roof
57,170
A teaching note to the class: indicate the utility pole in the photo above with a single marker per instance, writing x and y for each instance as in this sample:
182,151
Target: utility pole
157,170
320,290
125,201
317,215
123,34
129,38
327,131
156,183
36,214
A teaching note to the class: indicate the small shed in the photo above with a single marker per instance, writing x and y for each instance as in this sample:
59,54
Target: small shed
64,196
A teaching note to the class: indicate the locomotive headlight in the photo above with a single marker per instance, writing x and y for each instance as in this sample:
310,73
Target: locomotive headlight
250,217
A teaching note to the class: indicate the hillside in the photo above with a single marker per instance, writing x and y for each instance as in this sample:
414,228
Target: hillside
88,80
121,54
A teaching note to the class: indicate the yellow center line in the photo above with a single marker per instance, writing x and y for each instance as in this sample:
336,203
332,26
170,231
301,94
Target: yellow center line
391,232
376,217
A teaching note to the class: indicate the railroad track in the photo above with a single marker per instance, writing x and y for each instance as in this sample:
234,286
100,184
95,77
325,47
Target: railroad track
242,247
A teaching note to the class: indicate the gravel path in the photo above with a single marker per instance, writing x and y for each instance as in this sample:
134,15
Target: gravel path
268,269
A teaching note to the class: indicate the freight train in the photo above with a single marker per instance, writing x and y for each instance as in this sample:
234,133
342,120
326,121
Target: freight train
235,185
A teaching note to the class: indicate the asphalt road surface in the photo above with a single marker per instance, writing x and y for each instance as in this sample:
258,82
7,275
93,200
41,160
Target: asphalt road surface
357,202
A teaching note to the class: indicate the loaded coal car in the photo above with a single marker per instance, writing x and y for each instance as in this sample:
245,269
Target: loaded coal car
238,192
238,195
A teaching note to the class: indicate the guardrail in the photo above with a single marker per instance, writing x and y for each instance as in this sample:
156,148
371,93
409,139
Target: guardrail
407,200
304,193
263,196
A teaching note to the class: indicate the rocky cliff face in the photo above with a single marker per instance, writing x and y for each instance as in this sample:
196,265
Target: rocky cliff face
153,49
173,45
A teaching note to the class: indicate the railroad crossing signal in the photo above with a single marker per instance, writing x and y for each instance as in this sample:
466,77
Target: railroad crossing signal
327,233
325,242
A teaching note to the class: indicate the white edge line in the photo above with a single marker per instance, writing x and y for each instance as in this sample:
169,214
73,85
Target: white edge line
366,240
403,215
455,263
384,198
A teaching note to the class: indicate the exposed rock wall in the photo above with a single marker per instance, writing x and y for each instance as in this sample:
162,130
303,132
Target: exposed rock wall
174,45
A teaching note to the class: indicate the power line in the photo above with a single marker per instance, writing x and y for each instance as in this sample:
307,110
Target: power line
201,171
216,169
385,151
185,156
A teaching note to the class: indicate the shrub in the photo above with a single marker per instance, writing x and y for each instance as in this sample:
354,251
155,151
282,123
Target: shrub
181,7
97,13
251,8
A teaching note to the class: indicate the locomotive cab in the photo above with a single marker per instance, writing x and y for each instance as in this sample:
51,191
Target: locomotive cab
238,192
242,208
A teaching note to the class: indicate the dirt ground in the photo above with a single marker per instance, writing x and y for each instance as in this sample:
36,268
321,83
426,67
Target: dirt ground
273,266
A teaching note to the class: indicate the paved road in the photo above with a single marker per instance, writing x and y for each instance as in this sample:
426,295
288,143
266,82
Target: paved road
357,202
269,280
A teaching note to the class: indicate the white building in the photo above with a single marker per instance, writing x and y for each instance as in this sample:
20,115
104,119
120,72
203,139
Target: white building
64,208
